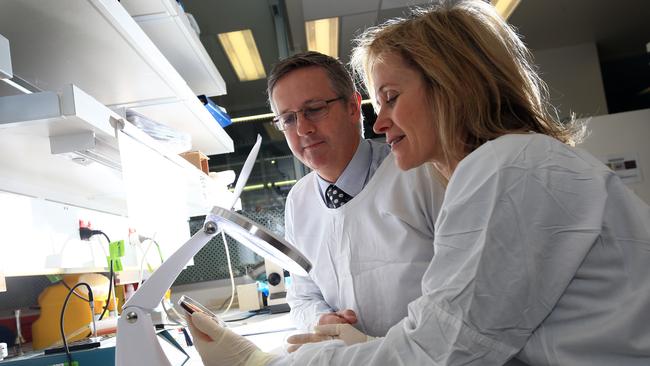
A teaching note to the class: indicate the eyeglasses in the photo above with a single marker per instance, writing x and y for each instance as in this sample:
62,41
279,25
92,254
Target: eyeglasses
313,111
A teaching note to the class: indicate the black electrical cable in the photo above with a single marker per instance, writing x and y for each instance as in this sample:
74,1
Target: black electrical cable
90,300
111,273
110,287
70,289
106,236
250,315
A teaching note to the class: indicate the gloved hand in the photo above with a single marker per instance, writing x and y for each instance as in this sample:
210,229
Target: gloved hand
340,317
345,332
219,346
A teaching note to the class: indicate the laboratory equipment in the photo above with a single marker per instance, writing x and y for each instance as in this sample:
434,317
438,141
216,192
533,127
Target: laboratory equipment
277,299
249,297
45,330
136,340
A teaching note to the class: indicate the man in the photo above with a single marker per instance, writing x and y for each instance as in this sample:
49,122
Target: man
368,254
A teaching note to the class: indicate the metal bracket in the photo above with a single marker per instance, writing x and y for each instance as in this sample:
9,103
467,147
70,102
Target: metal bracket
117,124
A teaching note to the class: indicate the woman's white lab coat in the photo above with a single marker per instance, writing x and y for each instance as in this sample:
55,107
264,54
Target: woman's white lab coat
542,254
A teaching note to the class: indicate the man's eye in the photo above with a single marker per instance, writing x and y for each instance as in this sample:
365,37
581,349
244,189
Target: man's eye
288,120
312,110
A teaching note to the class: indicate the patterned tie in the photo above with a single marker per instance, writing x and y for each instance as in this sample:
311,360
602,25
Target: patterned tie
335,197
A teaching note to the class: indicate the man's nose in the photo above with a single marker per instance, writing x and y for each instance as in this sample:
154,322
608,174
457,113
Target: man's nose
304,126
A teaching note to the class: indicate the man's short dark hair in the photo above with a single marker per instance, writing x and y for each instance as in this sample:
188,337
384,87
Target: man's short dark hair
340,79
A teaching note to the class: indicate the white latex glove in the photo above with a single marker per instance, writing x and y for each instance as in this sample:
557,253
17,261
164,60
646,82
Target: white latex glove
344,332
219,346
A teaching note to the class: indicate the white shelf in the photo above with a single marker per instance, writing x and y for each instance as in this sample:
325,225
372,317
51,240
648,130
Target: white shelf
165,22
55,192
92,61
96,45
29,168
27,164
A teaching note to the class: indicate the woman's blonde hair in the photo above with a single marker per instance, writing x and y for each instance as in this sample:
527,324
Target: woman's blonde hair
481,80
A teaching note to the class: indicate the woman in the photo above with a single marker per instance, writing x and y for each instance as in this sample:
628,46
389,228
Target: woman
542,254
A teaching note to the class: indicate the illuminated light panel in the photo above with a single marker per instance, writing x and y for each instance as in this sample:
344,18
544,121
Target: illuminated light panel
323,36
243,55
505,7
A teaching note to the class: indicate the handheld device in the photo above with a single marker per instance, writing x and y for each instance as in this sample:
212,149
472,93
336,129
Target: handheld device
191,306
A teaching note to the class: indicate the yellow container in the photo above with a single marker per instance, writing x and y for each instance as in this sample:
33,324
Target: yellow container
46,330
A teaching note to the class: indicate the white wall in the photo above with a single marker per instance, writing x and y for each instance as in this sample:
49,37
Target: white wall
40,236
574,79
623,133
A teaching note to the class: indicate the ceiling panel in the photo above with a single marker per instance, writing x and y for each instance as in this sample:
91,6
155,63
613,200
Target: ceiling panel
351,27
618,27
216,17
296,24
386,14
317,9
393,4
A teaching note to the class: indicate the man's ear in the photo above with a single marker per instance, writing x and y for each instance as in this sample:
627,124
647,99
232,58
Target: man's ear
355,106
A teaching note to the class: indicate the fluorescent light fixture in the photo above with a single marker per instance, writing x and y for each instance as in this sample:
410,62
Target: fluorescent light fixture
243,55
85,148
285,183
255,187
253,117
17,86
323,36
505,7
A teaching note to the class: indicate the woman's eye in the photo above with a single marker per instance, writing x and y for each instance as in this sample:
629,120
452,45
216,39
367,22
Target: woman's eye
391,98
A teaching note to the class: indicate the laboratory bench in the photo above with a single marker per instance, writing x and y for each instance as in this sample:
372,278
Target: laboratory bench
267,331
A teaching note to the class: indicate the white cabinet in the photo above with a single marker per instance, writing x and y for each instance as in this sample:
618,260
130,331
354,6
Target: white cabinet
92,60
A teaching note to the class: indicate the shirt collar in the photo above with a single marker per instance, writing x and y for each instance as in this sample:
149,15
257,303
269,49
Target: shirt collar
353,178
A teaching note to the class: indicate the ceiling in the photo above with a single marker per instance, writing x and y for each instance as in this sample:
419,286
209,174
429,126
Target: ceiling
619,28
218,16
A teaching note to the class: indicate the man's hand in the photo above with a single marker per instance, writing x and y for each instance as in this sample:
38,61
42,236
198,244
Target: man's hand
344,332
346,316
219,346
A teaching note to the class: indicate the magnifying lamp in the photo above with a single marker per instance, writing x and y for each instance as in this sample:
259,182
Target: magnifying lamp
137,343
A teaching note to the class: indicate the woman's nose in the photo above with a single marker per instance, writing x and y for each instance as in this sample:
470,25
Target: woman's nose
382,123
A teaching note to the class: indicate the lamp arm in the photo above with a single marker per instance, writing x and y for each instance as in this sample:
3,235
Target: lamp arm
136,340
149,295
